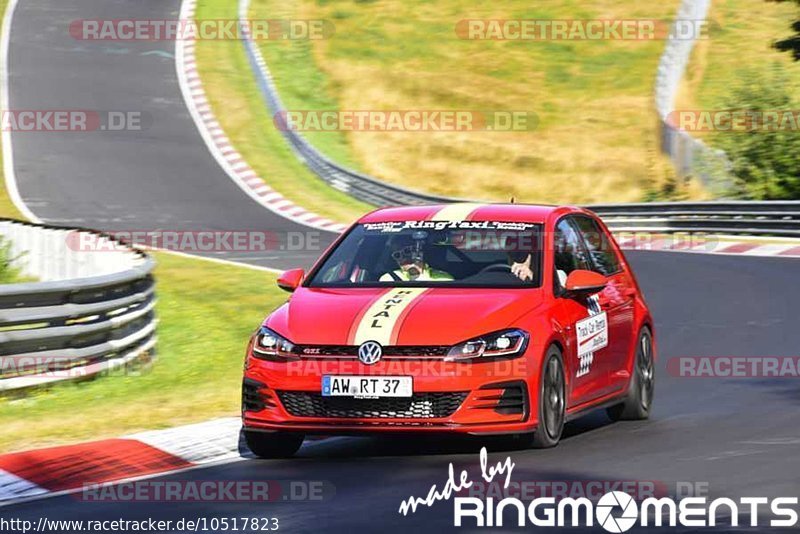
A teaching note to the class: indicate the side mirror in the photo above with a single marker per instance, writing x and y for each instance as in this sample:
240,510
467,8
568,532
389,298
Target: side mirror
585,282
290,280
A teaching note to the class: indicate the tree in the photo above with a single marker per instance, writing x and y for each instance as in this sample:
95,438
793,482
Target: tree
790,44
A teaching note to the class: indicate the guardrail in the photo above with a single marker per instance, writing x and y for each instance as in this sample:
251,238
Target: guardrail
773,218
89,312
689,156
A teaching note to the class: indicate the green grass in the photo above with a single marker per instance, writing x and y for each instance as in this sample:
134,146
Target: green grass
597,139
206,312
237,103
740,45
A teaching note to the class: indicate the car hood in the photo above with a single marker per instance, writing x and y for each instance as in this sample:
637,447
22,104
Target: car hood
432,316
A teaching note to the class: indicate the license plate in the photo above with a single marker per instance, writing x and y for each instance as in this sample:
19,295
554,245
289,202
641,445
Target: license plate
367,386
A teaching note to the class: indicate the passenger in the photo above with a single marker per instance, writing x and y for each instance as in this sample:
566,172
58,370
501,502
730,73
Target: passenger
408,252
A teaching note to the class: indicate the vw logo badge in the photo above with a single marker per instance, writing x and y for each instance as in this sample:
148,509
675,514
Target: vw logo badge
370,352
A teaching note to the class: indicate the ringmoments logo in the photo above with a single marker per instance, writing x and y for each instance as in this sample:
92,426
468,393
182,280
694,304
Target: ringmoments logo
617,511
616,500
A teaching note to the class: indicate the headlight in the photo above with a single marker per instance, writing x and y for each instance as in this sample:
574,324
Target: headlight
508,343
269,345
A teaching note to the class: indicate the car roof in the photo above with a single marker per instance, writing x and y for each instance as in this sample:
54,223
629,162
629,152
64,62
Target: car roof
468,211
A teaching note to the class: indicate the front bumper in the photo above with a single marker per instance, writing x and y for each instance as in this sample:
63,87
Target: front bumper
467,398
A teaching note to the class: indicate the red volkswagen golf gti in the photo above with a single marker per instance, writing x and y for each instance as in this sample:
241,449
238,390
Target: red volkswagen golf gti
481,319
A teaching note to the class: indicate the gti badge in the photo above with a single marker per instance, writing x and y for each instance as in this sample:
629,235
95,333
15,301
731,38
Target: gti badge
370,352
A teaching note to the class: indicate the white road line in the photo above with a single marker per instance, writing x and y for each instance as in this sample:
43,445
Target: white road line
221,261
8,149
209,127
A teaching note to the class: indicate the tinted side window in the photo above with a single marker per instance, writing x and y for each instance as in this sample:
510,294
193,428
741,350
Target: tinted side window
569,252
599,246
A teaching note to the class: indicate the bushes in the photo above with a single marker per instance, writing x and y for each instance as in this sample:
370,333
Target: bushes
766,161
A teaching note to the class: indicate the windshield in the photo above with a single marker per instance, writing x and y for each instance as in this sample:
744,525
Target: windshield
434,253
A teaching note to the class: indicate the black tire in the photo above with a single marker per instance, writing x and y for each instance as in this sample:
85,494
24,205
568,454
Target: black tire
639,400
273,444
552,401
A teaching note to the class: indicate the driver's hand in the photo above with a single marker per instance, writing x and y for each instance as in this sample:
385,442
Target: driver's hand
523,270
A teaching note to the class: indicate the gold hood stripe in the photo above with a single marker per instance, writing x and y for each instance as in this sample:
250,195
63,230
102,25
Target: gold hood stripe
380,319
456,212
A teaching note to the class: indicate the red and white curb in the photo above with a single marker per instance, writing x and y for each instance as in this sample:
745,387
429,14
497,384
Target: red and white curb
58,470
220,146
706,245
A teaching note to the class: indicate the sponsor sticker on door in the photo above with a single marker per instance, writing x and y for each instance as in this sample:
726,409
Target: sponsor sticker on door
592,333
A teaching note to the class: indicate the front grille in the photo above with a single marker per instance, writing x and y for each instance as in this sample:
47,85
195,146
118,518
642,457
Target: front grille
419,406
422,351
391,351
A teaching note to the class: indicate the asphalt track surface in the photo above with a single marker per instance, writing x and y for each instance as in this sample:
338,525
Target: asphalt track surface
741,436
160,178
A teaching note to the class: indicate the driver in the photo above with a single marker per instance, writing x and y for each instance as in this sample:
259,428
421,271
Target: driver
520,263
518,247
408,252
